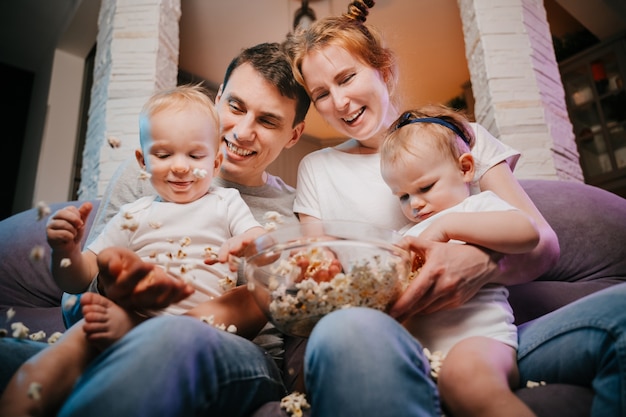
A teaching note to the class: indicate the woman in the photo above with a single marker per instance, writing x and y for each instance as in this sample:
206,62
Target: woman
351,76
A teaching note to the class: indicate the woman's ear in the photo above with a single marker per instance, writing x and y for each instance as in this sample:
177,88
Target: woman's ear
466,162
140,159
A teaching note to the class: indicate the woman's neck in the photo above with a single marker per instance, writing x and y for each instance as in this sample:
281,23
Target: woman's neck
354,146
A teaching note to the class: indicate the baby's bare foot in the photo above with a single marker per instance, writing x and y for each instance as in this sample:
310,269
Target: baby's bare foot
105,321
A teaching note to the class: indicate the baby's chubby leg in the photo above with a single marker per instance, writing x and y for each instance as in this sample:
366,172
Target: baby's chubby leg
105,321
42,383
477,377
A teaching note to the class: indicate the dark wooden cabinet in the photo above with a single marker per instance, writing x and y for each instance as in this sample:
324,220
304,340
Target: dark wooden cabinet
595,89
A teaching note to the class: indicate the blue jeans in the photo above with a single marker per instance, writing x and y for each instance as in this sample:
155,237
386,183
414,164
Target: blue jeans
583,343
176,366
361,362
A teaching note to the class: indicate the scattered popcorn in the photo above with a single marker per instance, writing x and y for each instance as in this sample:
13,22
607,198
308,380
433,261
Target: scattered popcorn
270,226
130,225
127,215
155,225
38,336
42,210
70,302
114,142
144,175
294,403
199,173
209,254
10,314
19,330
186,241
210,320
534,384
54,337
65,262
436,359
227,283
37,253
273,216
34,391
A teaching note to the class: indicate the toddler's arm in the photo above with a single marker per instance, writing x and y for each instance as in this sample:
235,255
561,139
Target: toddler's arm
71,268
510,231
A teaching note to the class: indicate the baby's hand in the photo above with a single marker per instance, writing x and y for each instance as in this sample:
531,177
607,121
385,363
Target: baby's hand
233,248
66,227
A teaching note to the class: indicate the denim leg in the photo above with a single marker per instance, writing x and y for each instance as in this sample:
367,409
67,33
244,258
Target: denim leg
13,353
361,362
71,313
176,366
583,343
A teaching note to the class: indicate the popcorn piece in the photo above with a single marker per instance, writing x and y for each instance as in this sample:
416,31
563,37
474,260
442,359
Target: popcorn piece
199,173
294,403
38,336
34,391
270,226
227,283
114,142
231,329
130,225
10,314
155,225
436,359
70,302
54,337
65,262
186,241
42,210
273,216
534,384
19,330
37,253
144,175
209,254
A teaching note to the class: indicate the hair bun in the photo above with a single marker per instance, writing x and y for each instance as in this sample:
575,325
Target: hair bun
359,9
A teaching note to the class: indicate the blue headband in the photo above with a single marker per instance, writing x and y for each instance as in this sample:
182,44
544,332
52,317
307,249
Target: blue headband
408,119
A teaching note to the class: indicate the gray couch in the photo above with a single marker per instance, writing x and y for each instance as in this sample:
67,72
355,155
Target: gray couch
590,224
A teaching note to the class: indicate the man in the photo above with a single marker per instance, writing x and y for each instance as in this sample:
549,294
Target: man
176,365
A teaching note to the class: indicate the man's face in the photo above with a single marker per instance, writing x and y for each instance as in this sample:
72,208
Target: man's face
255,123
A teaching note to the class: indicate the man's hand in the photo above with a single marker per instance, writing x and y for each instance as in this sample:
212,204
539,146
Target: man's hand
451,275
133,283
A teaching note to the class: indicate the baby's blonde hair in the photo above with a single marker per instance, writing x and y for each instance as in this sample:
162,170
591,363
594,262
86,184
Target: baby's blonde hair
178,98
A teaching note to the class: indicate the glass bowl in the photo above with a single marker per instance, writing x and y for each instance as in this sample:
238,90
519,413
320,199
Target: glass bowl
300,273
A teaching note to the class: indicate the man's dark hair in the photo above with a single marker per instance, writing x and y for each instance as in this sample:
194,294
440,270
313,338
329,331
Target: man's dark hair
269,60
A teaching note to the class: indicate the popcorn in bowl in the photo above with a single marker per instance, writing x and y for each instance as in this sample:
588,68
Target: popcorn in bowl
300,273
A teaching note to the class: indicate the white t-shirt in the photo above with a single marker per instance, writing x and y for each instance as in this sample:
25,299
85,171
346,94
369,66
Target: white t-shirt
175,236
334,185
487,314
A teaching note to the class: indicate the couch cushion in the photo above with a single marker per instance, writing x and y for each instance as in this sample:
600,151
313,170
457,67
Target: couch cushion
24,283
591,226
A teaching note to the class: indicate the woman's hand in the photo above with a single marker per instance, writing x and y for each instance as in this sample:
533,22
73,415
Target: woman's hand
451,275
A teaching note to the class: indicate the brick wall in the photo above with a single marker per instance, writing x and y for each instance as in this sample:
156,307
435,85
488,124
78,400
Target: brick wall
517,86
137,54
